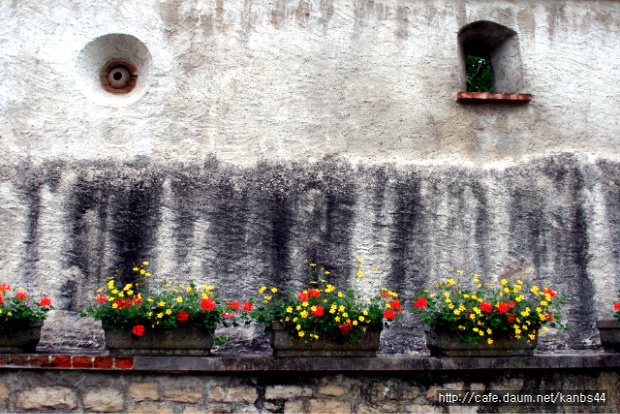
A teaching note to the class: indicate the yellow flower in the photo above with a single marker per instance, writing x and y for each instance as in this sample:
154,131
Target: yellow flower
114,305
130,292
312,264
168,311
451,281
360,274
447,294
361,318
489,331
472,316
268,297
135,269
289,310
354,323
532,336
274,290
451,306
332,310
142,271
365,313
457,312
475,329
188,289
305,304
301,333
160,315
145,263
448,301
327,273
341,308
179,299
304,314
340,294
149,314
345,315
490,341
337,318
261,290
544,303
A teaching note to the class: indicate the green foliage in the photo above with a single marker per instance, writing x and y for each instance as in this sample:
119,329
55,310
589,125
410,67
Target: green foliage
479,311
141,306
479,74
18,308
323,309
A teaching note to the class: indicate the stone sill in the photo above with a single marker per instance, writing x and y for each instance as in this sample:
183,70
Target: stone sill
479,97
261,363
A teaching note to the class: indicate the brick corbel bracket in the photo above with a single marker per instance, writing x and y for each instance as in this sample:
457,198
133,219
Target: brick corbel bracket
511,98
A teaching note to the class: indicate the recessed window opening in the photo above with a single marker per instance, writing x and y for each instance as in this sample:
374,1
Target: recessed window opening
491,58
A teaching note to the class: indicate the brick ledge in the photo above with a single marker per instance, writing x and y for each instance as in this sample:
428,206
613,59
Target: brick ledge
514,98
262,363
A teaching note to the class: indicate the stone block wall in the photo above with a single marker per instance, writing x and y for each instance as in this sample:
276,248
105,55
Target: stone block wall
308,385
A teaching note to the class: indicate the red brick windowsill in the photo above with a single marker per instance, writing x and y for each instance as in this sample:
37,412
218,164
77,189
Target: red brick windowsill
512,98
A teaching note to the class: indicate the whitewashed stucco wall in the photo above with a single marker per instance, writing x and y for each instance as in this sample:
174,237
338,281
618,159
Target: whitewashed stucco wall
298,79
267,132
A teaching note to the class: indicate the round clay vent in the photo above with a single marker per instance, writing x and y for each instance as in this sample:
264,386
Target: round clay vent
114,69
119,76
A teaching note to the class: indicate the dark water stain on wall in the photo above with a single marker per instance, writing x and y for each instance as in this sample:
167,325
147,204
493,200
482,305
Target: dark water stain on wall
248,226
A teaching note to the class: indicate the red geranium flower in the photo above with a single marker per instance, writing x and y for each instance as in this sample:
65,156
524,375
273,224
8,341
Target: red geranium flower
617,306
45,302
136,300
207,304
396,305
302,296
549,316
234,305
389,314
228,315
247,306
138,330
314,293
502,307
420,303
101,298
182,316
345,328
486,306
549,292
4,288
511,303
510,318
318,311
21,295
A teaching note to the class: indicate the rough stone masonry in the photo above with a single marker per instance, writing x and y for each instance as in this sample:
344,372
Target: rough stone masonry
261,134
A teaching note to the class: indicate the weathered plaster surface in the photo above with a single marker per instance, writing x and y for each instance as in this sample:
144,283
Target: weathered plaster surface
265,80
274,131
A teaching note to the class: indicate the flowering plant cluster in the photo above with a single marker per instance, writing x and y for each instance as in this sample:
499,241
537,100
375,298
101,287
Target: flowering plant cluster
140,306
324,309
479,311
17,307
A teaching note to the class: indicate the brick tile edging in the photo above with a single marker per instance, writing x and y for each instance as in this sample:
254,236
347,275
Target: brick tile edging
515,98
65,361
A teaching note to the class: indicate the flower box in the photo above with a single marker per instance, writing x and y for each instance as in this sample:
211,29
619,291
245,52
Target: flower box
609,331
168,340
21,338
286,345
447,343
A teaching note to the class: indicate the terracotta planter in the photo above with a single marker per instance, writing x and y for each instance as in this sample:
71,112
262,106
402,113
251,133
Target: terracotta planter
285,345
23,339
609,331
443,342
183,340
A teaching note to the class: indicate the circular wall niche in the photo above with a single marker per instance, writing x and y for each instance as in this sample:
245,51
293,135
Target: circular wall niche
114,69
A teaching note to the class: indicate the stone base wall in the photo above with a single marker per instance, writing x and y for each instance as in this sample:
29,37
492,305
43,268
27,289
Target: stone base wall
272,385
